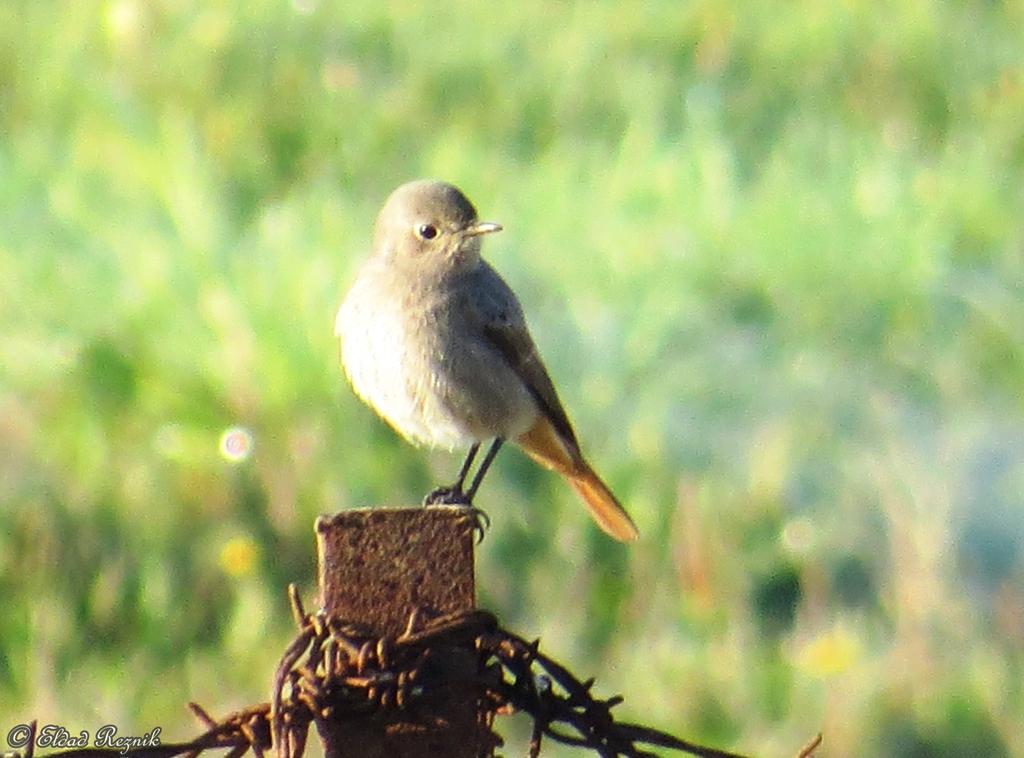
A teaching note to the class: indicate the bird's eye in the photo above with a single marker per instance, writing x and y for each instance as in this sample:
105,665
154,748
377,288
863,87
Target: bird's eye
426,231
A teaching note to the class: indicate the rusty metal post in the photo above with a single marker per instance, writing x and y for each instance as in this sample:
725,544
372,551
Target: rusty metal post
376,566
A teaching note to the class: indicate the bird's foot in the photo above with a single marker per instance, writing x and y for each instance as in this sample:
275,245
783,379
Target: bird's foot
447,496
481,522
455,496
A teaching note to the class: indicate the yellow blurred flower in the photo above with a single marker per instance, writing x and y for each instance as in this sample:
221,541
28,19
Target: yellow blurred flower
238,556
831,653
122,19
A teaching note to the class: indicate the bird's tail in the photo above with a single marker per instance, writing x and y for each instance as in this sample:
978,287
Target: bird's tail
544,445
604,506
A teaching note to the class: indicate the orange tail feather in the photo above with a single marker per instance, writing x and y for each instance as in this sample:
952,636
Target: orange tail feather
604,507
543,444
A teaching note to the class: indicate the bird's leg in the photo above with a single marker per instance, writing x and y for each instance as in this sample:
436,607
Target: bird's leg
484,465
454,495
481,521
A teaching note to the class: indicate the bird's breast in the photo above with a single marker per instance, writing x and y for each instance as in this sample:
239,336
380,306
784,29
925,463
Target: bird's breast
419,358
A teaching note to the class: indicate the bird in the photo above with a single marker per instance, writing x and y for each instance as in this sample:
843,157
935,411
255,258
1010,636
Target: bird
435,341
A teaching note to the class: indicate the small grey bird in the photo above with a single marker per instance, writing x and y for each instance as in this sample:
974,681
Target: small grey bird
435,341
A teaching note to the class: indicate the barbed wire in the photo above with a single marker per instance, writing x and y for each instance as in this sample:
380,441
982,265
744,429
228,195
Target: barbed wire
333,668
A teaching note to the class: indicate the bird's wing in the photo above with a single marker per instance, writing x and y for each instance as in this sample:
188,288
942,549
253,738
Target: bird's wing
551,440
504,327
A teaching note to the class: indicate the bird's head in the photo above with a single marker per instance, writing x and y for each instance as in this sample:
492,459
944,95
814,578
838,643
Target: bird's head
430,224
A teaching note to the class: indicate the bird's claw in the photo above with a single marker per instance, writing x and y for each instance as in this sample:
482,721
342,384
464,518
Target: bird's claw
455,496
481,522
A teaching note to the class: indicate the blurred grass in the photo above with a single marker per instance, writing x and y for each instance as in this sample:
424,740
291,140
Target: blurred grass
782,244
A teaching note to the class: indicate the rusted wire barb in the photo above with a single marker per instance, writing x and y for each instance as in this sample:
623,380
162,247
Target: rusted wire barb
351,670
336,669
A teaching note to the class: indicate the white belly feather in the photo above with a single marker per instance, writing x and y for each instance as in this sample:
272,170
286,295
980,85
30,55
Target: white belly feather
392,378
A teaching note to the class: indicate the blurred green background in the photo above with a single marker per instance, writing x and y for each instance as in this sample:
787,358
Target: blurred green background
773,254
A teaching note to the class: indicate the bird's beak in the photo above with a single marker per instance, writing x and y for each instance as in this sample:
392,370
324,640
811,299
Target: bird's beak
482,227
